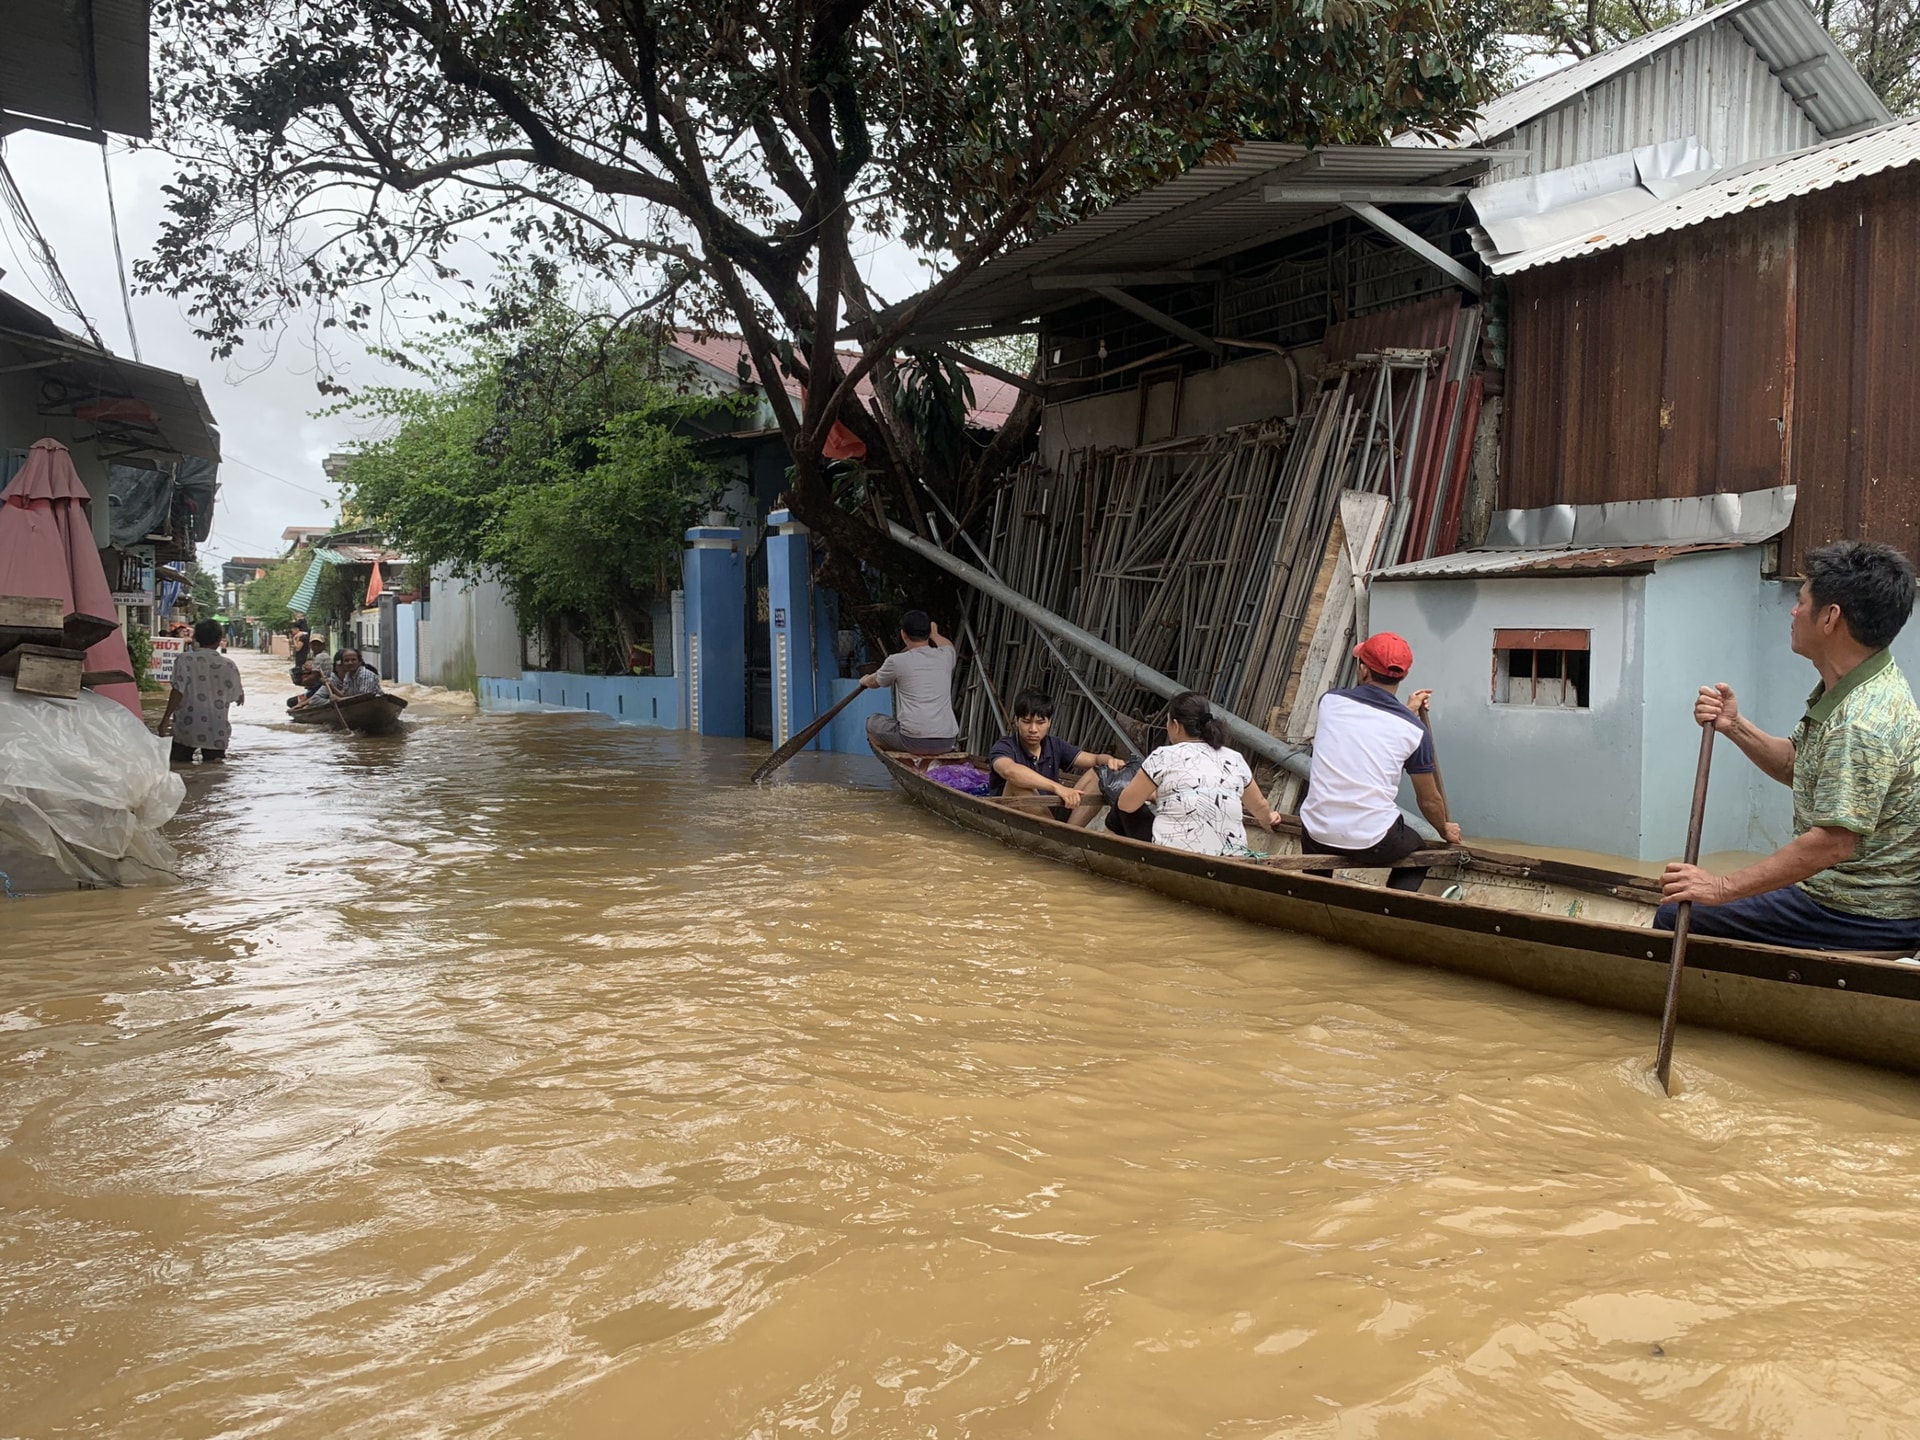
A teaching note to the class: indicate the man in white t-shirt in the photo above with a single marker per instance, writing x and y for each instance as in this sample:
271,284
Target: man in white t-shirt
1364,741
921,675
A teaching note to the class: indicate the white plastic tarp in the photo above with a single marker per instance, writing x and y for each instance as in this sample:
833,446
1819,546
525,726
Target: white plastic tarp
1537,210
85,785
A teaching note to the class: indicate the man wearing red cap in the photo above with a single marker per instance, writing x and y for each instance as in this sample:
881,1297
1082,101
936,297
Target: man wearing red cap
1364,741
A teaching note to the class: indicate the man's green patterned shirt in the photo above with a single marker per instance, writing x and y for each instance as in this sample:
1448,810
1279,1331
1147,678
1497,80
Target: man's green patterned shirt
1856,766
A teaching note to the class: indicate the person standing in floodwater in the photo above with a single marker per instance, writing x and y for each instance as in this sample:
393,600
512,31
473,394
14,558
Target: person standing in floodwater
203,685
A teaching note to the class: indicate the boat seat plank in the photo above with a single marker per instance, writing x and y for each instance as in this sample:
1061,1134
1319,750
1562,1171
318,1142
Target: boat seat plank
1419,858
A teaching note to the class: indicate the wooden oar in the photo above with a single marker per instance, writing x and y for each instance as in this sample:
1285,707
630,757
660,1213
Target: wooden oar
345,728
799,742
1683,919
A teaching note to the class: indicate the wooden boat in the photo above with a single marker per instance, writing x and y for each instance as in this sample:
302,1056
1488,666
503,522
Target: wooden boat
1555,928
363,714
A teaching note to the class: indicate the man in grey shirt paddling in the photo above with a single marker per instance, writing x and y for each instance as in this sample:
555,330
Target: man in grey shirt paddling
921,675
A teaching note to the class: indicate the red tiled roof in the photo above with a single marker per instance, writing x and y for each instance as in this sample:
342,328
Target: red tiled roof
993,399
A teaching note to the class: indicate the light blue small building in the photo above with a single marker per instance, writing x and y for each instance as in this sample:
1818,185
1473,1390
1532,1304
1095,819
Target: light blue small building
1564,657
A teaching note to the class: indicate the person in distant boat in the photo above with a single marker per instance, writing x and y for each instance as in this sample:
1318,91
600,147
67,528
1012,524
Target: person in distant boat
350,677
1364,740
1031,760
1197,787
1850,879
921,674
203,684
300,650
312,683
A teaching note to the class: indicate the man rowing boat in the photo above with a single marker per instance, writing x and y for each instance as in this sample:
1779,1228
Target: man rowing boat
1850,878
921,676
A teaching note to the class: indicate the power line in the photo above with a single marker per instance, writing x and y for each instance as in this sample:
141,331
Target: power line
291,484
17,203
119,259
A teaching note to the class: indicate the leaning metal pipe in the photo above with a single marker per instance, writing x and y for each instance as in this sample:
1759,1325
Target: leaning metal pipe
1292,758
1267,747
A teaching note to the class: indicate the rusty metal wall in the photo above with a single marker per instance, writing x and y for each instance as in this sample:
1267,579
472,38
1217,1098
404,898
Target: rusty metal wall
1773,347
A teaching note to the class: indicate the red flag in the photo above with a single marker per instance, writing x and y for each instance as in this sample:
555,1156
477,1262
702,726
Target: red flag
374,587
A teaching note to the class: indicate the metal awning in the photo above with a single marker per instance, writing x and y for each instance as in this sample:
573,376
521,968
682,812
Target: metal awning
1597,560
75,67
1172,233
1620,537
134,409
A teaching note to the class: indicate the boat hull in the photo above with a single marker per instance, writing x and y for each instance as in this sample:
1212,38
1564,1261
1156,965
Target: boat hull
363,714
1851,1007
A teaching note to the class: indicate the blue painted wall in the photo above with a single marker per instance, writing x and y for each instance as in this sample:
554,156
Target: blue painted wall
1562,777
649,700
1619,777
847,734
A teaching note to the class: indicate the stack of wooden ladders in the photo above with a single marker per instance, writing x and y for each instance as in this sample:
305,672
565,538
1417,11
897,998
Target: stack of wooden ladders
44,650
1238,560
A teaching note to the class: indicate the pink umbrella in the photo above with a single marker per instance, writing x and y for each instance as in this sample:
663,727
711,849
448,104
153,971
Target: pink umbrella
46,549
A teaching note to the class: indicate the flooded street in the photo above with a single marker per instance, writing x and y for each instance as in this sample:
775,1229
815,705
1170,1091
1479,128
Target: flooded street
529,1075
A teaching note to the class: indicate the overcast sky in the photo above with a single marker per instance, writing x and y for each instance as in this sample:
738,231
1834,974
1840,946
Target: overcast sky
263,398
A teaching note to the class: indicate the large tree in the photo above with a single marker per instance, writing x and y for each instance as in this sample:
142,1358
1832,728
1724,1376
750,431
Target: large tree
553,453
730,156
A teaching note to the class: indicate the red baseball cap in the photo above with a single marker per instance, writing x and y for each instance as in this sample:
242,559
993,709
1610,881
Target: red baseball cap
1385,654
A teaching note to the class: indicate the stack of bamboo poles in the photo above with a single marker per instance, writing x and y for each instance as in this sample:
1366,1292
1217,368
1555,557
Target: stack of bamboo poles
1235,561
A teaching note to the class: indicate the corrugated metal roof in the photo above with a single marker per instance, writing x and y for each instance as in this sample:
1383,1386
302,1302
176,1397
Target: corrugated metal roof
50,80
723,355
1197,218
1890,147
1784,33
347,553
1596,560
1712,85
81,373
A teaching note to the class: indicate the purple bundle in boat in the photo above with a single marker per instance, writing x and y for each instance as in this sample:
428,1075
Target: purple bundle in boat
964,778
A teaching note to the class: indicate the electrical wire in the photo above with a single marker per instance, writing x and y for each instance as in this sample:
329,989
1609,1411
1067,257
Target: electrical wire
23,217
119,257
281,479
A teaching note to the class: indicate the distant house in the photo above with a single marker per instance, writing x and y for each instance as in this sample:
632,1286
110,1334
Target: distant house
473,634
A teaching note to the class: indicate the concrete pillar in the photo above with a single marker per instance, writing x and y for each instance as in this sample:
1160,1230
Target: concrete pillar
716,611
790,625
679,632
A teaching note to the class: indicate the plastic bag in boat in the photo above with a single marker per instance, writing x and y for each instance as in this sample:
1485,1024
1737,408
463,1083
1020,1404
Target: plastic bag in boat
85,785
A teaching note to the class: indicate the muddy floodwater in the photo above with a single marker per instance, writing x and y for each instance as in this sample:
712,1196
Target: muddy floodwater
529,1075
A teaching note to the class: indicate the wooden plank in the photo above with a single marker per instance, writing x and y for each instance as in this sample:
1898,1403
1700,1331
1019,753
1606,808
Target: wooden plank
12,660
1359,523
47,670
31,612
1419,858
1309,625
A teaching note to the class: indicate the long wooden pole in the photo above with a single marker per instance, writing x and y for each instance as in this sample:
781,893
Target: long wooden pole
1683,920
799,742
